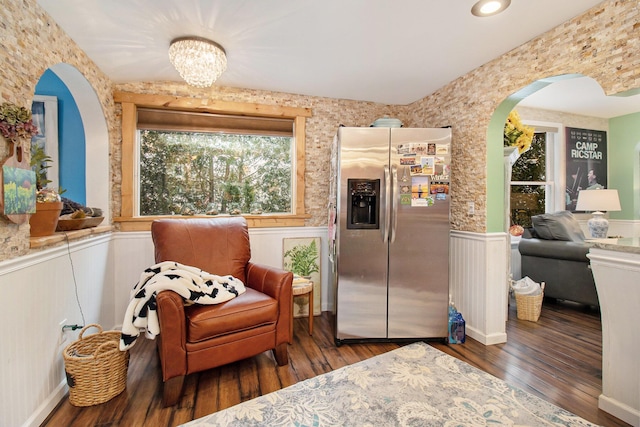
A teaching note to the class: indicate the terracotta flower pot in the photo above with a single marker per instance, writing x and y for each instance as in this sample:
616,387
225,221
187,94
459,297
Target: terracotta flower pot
45,220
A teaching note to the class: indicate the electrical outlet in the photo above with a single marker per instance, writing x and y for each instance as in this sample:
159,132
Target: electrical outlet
63,338
471,208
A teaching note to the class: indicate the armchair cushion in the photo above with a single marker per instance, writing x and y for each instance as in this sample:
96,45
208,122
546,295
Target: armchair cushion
190,240
254,308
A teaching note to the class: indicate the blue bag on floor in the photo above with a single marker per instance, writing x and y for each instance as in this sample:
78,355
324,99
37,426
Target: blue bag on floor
457,332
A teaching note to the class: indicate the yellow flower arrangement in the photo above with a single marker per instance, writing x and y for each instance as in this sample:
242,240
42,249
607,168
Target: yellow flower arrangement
516,134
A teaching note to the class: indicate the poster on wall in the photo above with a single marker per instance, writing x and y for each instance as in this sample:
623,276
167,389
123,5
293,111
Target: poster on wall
586,162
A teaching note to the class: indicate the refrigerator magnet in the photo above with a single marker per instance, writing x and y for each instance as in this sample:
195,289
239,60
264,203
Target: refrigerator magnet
428,165
416,170
427,201
408,159
442,149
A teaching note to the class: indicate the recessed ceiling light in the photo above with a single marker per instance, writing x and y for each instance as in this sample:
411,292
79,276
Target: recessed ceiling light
489,7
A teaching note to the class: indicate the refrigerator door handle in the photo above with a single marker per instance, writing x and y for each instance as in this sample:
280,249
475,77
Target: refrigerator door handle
387,204
394,213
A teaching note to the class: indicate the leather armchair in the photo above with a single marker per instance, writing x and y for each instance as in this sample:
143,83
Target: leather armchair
200,337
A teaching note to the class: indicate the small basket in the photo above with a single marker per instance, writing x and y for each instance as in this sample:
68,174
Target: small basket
529,307
96,368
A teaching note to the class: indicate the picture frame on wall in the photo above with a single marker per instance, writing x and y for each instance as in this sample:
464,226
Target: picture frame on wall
586,163
44,113
301,255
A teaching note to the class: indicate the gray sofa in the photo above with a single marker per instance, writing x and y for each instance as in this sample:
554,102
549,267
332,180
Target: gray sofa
553,251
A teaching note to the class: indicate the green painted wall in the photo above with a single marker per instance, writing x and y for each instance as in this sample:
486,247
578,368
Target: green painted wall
495,155
495,168
624,164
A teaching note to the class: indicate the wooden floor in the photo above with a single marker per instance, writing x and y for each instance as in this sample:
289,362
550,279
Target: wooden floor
557,358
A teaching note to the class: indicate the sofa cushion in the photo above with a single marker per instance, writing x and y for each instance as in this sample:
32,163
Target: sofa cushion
558,226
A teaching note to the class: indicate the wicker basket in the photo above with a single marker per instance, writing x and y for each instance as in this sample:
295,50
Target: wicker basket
96,368
529,307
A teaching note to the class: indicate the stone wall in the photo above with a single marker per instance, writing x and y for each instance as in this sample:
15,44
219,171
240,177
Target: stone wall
30,43
603,44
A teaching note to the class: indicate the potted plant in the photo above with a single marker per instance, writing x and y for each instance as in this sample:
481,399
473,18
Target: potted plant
16,122
48,202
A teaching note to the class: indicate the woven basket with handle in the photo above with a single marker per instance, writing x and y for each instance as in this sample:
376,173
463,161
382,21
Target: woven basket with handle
96,368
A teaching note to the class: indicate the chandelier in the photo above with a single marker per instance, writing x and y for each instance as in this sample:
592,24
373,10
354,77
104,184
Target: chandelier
199,61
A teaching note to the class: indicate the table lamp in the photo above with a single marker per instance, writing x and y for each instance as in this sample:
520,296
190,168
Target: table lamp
597,201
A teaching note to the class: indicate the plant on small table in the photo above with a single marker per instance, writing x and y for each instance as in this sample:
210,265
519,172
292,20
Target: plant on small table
302,259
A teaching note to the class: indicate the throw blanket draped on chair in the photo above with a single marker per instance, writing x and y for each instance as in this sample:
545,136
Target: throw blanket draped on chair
194,285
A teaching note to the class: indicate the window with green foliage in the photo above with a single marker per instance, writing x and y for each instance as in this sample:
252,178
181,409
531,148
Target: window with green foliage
214,172
530,184
199,163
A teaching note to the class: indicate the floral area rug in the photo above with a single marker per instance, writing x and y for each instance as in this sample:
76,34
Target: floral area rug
415,385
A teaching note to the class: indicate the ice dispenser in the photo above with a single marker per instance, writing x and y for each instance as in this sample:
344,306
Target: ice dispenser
363,204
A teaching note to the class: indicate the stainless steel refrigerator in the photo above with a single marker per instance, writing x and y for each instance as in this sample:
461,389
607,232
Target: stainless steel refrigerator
389,233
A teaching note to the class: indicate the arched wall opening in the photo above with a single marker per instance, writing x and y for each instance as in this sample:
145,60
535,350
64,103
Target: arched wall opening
96,136
497,212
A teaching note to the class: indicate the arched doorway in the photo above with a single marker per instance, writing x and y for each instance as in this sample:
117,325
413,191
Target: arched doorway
617,115
96,136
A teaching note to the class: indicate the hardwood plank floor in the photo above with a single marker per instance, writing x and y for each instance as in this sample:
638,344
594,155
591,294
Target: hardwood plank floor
558,358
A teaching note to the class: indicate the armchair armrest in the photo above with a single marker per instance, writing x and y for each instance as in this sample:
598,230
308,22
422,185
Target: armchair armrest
173,334
276,283
269,280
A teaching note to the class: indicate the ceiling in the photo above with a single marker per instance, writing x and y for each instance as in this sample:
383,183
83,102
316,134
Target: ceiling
387,51
584,96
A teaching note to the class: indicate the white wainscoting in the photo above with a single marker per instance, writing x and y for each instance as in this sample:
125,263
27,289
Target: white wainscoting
38,292
135,253
478,283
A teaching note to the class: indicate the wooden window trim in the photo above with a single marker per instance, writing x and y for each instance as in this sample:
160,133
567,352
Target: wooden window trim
132,101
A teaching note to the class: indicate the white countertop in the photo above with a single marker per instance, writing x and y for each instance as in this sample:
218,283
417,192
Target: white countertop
625,244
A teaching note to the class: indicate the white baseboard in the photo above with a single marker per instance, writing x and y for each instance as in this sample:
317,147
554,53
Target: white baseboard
47,406
619,410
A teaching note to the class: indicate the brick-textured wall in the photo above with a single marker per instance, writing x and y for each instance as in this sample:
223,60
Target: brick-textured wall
603,44
30,43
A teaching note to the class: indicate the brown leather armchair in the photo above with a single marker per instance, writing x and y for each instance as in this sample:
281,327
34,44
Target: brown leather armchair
199,337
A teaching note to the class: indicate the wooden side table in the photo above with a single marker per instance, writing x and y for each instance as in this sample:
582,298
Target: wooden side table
300,289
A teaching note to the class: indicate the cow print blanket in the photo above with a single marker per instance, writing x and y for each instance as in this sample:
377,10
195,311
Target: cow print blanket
194,285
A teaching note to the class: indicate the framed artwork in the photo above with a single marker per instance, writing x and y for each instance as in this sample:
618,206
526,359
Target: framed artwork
301,255
44,111
19,190
586,162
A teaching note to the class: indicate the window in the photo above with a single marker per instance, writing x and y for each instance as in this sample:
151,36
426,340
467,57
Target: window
230,165
532,186
184,156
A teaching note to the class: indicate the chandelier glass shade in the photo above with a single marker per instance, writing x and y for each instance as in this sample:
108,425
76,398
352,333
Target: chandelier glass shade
199,61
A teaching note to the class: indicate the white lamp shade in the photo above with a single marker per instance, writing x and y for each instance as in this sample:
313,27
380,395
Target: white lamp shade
598,200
